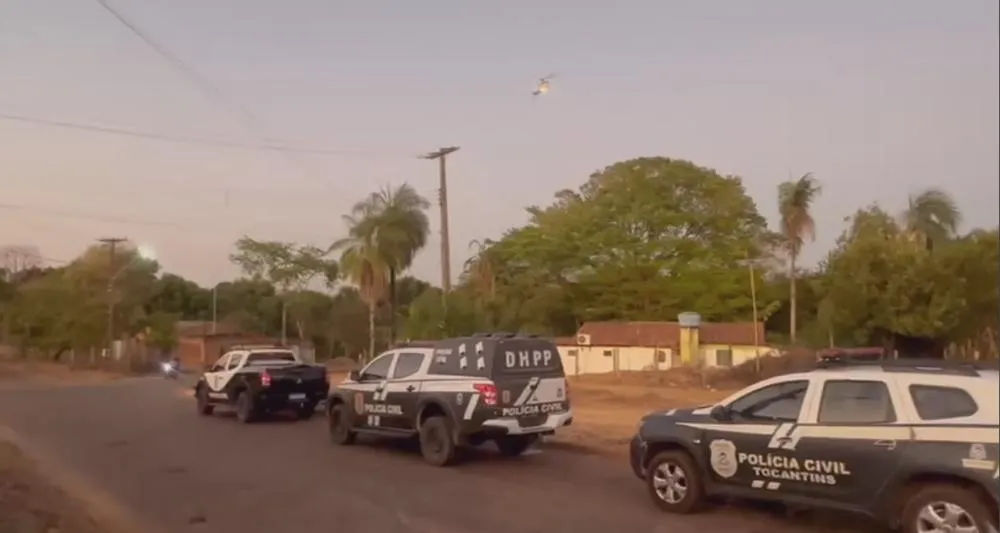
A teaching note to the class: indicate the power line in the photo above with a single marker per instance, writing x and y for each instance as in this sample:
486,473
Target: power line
182,139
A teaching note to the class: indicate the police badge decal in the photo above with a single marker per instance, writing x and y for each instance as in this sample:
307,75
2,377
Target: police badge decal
723,458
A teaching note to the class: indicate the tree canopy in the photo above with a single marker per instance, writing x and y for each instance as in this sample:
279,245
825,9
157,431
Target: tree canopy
643,239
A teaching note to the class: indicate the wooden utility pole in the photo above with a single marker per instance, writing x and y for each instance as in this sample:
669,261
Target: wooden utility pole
440,155
753,300
112,244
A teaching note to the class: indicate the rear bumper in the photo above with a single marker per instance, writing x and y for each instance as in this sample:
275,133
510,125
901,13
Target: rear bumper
273,400
636,455
510,426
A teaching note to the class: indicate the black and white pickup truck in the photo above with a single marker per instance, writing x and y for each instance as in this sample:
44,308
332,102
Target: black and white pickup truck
911,443
258,380
458,392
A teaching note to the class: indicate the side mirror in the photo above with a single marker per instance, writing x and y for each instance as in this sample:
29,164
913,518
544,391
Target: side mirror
354,375
720,413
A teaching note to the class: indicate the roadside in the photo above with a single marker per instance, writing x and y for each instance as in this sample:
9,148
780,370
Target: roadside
45,373
30,503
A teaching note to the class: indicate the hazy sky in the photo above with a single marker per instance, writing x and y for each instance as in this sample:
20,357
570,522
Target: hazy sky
879,99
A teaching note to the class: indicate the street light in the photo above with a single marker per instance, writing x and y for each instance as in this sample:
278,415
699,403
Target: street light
142,252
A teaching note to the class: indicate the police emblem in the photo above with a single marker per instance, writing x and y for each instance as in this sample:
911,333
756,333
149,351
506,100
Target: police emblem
359,402
977,452
459,398
723,458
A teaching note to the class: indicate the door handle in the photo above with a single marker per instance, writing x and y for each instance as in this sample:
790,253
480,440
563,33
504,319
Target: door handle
410,388
887,444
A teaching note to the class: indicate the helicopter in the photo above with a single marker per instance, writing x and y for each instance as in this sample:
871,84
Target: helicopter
543,86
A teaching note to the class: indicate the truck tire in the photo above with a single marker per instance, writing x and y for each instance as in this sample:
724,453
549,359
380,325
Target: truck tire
201,401
246,411
514,445
958,506
674,483
338,420
436,444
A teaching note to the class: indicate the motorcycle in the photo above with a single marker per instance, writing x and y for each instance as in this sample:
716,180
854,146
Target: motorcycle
170,370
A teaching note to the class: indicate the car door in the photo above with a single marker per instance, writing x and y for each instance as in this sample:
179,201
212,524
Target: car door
745,451
232,367
369,389
402,390
851,442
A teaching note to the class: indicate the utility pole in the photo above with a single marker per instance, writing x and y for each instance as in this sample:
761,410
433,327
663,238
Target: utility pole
440,155
112,244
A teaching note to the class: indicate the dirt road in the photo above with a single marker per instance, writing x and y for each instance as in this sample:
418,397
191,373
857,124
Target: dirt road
142,443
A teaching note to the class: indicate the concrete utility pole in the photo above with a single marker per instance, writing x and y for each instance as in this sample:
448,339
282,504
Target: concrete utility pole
112,244
440,155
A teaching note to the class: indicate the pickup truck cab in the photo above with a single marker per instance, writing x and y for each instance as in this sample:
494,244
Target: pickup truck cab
258,380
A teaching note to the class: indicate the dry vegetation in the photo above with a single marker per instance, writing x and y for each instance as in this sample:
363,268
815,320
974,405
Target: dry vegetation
31,504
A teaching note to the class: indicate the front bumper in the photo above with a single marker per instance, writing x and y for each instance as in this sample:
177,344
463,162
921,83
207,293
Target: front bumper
636,457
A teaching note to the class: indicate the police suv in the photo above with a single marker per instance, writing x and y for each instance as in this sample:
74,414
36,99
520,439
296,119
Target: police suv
456,392
257,380
911,443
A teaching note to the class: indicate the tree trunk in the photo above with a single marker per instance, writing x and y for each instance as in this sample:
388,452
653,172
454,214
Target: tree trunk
392,306
284,322
371,330
793,304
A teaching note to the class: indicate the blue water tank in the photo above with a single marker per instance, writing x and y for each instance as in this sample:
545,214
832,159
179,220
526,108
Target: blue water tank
689,320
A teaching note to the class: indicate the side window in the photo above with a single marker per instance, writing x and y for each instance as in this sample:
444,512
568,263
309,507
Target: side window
234,361
407,364
377,369
220,363
856,402
781,401
938,403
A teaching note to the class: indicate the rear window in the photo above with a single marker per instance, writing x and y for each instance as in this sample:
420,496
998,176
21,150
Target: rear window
270,357
939,403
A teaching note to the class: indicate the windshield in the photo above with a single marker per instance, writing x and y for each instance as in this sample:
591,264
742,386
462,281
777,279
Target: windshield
257,358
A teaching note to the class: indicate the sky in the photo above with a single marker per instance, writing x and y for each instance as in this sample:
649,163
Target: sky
879,100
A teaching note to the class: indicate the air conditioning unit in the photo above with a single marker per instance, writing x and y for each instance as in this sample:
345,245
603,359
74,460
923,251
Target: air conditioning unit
583,339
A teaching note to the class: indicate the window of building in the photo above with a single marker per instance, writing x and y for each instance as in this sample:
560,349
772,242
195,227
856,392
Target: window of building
724,357
856,402
938,403
573,353
661,356
608,353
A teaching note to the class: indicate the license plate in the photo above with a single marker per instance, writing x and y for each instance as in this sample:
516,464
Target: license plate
297,396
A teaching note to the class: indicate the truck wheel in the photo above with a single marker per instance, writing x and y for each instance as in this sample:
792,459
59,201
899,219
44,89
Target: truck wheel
945,508
201,400
338,420
246,411
436,444
514,445
674,482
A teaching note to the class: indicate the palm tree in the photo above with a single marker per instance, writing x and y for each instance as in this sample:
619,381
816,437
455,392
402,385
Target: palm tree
361,262
398,217
931,217
795,199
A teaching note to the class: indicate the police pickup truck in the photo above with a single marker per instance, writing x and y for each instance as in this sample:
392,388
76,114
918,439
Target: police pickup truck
458,392
257,380
911,443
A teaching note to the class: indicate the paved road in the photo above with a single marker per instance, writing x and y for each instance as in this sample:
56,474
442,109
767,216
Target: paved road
141,441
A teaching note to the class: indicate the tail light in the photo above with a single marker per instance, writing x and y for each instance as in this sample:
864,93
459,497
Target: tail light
489,392
265,379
